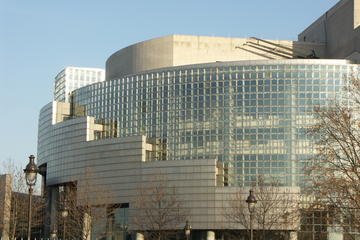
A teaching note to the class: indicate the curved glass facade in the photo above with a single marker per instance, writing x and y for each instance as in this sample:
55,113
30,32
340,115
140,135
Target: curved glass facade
250,116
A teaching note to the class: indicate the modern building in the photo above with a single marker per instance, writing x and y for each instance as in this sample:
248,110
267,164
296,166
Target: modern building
339,30
71,78
208,114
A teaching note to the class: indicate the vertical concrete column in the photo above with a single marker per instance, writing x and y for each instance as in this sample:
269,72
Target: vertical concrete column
5,205
53,192
335,232
87,226
356,13
139,236
293,235
335,236
210,235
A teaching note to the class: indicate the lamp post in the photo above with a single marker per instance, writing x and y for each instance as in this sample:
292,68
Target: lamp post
251,201
64,214
187,230
30,171
53,235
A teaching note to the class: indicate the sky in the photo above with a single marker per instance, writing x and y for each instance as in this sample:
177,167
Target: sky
39,38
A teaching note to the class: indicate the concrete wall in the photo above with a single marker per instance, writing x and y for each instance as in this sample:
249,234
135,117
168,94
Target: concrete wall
339,29
356,14
150,54
177,50
202,49
5,205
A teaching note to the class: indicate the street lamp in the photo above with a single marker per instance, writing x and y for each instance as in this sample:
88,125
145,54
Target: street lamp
187,230
53,235
64,214
251,201
30,171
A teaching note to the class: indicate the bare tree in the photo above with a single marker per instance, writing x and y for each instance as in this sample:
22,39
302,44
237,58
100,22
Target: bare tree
335,169
277,208
158,209
19,202
87,203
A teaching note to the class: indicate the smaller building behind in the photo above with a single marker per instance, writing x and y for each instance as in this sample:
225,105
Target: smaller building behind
71,78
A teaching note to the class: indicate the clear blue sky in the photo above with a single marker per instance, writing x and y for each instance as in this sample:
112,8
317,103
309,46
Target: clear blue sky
40,37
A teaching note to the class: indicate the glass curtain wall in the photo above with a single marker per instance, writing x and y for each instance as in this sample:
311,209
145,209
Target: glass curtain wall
251,118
